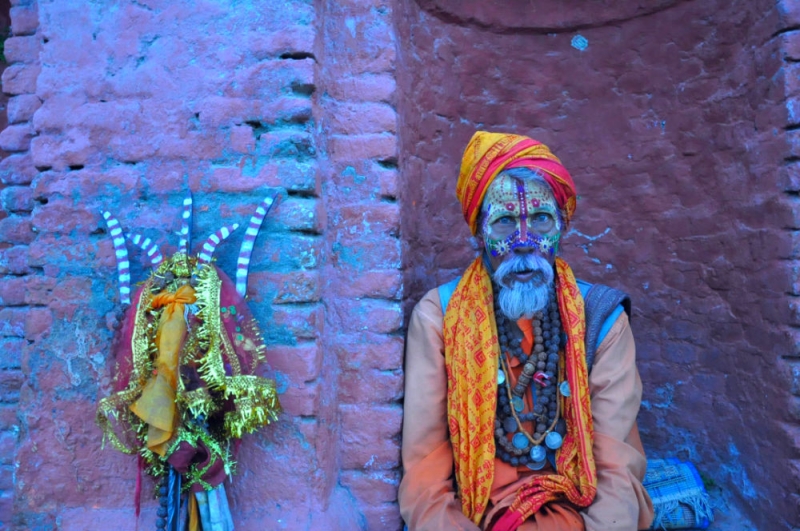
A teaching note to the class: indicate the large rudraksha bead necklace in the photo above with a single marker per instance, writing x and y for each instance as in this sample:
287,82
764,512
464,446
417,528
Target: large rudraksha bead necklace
540,373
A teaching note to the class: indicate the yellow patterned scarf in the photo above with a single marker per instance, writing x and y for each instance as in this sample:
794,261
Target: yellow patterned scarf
472,352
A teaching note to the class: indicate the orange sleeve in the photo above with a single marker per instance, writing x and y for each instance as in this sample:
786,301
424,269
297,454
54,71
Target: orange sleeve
427,495
622,503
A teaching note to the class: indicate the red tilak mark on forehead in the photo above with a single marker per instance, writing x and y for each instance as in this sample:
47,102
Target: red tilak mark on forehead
523,214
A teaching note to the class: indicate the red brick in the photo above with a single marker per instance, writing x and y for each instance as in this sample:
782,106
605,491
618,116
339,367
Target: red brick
370,437
384,353
359,254
242,139
388,183
38,323
368,48
304,321
350,118
377,316
17,199
301,401
16,137
370,386
12,291
302,176
286,143
39,289
364,87
293,287
365,219
300,363
8,443
11,349
373,284
92,182
21,108
11,353
54,251
8,416
360,147
16,230
22,49
20,79
219,111
306,215
266,79
60,152
226,179
62,216
289,40
24,19
10,383
17,169
14,260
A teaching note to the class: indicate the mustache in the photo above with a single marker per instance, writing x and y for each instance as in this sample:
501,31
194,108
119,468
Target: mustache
524,263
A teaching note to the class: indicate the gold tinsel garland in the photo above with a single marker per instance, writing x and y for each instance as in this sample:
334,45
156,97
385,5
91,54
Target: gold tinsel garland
241,402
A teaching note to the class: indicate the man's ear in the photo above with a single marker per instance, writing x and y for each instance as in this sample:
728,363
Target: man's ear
476,242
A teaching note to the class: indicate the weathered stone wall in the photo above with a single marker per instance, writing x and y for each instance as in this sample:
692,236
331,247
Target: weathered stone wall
127,106
788,38
671,120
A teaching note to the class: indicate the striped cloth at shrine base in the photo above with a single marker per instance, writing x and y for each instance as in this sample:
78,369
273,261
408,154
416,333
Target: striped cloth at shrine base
679,497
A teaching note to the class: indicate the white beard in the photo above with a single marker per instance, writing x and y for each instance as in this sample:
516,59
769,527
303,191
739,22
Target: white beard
524,299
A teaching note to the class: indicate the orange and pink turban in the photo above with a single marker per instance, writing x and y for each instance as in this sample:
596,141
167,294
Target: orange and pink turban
488,154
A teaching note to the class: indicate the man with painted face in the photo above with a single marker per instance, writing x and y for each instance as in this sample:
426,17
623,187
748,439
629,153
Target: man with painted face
521,384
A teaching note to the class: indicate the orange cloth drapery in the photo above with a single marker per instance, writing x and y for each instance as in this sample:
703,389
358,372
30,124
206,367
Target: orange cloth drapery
488,154
156,406
471,357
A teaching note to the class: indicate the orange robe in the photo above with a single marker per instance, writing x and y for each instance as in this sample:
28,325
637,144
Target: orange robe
427,495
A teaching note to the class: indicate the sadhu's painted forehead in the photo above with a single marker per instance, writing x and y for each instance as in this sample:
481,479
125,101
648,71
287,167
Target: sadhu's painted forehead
508,195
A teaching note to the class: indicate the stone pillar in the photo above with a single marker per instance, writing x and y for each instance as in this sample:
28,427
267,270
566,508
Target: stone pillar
362,274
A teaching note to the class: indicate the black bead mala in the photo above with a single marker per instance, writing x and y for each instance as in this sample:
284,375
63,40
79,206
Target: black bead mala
161,522
540,373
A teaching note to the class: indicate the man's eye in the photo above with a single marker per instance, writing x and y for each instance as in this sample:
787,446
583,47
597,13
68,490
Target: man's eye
542,218
505,220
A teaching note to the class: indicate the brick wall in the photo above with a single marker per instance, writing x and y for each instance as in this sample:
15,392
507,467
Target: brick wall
671,120
24,288
127,108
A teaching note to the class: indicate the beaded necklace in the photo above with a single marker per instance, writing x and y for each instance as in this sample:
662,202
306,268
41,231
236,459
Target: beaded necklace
540,373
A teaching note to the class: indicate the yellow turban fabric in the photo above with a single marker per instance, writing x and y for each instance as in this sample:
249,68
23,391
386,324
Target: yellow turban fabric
488,154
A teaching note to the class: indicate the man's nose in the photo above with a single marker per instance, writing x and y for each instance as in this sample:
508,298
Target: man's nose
524,248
